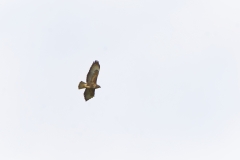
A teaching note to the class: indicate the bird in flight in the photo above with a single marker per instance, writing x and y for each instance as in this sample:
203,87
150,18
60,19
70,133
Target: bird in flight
91,84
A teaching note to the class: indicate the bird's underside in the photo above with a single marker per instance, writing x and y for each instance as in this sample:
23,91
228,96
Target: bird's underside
87,85
91,83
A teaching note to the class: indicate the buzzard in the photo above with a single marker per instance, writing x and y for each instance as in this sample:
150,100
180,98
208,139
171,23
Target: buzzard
91,84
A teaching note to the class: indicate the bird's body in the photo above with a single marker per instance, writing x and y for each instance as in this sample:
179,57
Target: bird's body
87,85
91,84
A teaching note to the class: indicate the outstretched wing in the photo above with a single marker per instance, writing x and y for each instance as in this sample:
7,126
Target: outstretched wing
93,72
89,93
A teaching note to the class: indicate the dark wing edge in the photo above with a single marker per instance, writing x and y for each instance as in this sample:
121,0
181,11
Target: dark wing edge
89,93
93,72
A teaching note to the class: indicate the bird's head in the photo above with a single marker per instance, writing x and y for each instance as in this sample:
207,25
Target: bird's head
98,86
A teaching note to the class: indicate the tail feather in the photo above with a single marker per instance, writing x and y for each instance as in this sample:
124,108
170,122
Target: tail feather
82,85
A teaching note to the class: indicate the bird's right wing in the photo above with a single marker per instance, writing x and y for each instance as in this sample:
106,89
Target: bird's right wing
93,72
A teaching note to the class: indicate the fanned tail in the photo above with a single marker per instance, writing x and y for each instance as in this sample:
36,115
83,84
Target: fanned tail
82,85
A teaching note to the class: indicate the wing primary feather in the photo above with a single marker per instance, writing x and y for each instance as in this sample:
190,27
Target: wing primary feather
89,93
92,72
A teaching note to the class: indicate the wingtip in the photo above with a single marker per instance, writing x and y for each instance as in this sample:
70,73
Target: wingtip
96,61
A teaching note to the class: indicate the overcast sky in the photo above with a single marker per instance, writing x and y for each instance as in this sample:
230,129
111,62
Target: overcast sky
170,79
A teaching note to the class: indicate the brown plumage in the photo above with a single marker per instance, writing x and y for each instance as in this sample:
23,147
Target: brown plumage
91,84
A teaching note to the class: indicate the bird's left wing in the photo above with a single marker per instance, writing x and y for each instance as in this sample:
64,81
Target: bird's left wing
89,93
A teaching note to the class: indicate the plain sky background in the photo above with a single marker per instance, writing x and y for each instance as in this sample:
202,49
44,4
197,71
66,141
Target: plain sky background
170,78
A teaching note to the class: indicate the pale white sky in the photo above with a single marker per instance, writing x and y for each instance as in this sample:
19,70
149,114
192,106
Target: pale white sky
170,78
